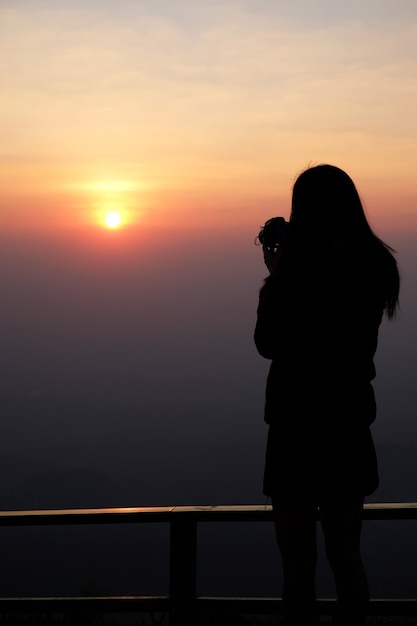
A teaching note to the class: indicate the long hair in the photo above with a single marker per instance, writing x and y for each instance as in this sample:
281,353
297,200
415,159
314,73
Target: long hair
326,208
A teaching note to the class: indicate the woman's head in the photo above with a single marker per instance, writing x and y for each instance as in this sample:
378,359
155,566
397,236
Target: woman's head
326,209
326,205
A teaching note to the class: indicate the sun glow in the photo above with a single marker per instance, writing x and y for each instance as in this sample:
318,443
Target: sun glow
113,219
113,205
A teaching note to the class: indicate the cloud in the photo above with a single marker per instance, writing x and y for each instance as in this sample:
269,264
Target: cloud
230,89
262,62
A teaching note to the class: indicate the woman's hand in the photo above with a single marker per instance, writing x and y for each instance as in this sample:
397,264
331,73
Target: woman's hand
271,258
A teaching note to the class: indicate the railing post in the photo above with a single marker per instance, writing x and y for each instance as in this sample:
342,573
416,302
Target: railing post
182,571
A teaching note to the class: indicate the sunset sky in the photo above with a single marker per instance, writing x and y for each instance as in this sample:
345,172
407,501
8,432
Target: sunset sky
128,370
189,113
129,347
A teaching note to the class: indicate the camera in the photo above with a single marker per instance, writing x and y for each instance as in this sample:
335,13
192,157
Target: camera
273,233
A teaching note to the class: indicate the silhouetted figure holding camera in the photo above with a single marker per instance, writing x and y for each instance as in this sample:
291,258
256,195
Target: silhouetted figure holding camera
331,281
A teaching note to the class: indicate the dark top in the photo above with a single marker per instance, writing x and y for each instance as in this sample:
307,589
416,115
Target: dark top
318,321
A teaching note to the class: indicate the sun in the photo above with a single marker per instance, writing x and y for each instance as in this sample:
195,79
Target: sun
113,219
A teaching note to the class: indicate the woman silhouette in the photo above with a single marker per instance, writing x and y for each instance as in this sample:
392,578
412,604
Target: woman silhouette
331,281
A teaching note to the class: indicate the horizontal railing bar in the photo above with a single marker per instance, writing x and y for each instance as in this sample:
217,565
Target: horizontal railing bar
108,604
215,605
326,606
234,513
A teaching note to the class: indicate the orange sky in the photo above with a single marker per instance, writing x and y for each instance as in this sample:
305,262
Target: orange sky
201,115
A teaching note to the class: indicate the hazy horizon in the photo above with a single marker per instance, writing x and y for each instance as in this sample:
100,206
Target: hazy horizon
118,368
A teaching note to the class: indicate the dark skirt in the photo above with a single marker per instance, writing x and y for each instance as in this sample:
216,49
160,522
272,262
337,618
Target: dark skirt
311,463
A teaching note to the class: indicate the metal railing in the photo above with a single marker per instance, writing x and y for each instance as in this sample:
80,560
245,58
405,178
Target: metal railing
182,603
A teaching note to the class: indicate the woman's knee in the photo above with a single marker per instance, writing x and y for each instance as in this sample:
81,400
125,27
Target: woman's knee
342,555
342,524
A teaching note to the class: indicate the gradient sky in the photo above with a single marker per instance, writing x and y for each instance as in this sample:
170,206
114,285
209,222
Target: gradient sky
129,352
185,112
128,371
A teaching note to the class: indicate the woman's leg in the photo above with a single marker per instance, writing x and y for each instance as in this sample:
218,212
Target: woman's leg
295,526
342,524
